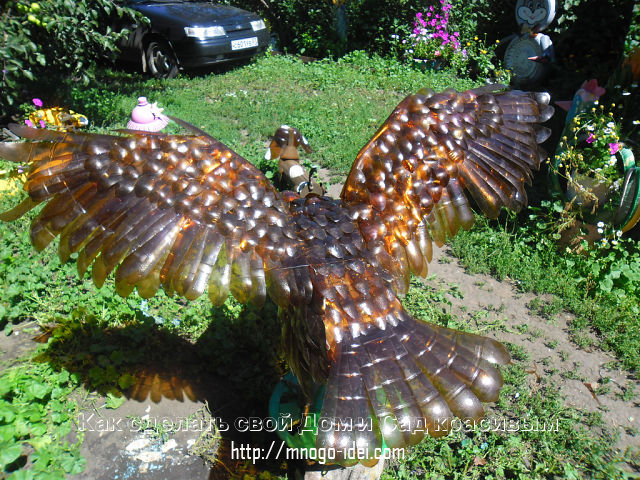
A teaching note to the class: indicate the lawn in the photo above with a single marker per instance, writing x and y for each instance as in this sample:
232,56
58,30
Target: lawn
97,345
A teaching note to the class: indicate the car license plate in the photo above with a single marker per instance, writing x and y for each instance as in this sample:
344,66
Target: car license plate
244,43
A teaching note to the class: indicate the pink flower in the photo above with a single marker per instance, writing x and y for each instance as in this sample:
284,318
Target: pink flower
29,123
591,138
42,124
37,102
437,53
614,147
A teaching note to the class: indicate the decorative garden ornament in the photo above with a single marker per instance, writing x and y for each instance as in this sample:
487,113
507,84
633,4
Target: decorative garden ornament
291,174
535,15
186,213
590,188
147,117
59,118
528,54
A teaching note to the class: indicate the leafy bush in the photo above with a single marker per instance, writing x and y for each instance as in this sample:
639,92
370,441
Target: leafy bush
51,39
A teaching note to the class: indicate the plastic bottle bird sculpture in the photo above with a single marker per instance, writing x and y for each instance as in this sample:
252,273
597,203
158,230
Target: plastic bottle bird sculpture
186,213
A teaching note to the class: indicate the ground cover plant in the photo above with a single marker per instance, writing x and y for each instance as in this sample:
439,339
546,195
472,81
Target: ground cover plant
96,341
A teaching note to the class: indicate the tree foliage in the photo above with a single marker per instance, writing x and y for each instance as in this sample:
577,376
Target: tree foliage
40,41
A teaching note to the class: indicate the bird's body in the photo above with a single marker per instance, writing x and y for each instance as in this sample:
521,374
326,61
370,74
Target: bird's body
188,214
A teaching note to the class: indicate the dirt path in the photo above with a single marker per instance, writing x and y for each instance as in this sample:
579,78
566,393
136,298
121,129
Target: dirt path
547,342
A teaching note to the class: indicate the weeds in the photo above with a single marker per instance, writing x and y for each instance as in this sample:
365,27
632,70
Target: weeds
37,412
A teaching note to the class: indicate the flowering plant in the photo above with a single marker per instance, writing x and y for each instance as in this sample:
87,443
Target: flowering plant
436,40
588,159
431,39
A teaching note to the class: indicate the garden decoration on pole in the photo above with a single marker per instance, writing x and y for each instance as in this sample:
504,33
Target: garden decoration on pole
187,213
529,52
601,172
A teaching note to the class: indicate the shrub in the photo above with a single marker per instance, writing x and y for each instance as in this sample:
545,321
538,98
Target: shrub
51,39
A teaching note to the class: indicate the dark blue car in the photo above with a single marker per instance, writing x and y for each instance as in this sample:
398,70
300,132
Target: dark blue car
185,34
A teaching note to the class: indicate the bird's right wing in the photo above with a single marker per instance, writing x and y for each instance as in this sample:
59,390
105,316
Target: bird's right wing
407,184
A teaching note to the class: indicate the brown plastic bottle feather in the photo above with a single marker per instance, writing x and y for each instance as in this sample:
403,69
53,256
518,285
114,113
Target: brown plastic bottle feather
188,214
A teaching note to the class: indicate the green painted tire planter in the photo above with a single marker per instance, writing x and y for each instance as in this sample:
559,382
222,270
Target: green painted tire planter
627,213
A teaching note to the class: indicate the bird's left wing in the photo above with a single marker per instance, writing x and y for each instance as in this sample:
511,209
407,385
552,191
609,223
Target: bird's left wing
178,211
407,185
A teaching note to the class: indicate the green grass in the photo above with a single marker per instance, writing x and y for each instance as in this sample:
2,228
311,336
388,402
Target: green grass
37,411
514,248
338,106
99,341
530,434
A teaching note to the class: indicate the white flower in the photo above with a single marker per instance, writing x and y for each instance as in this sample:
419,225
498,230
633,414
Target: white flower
600,224
608,130
636,122
618,233
614,242
604,242
600,230
625,93
590,127
612,160
611,125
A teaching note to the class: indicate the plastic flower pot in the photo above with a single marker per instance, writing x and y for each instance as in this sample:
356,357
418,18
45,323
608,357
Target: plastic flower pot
285,403
623,216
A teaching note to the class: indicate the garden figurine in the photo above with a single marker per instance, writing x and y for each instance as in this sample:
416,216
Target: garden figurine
59,118
147,117
291,174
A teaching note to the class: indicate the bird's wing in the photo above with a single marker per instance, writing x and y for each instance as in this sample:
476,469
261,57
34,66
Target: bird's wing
407,184
181,212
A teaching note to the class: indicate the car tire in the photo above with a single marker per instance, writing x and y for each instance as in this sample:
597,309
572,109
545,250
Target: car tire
161,60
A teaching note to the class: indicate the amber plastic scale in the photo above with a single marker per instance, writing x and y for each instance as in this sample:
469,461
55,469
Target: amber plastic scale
187,214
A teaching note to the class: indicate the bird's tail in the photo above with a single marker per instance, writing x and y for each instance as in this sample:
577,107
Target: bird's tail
394,386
